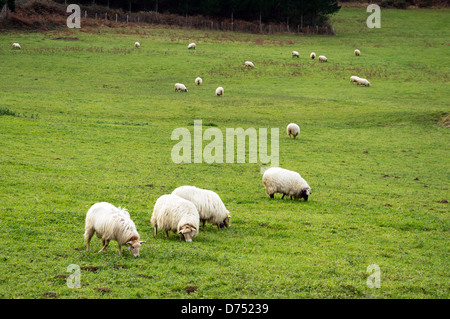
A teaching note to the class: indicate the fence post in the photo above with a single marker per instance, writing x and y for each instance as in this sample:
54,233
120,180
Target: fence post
127,18
116,17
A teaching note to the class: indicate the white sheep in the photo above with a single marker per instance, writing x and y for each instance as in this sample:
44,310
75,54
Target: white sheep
357,52
354,78
198,81
361,81
286,182
171,212
209,205
16,46
180,87
322,58
295,54
293,129
111,223
249,64
312,55
191,46
137,44
219,91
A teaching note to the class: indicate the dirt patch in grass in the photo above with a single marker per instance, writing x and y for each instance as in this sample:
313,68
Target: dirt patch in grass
445,121
67,38
89,268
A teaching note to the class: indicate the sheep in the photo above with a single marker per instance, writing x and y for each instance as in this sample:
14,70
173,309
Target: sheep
191,46
361,81
198,81
357,52
354,78
249,64
137,44
312,55
112,223
286,182
295,54
219,91
322,58
209,205
16,46
180,87
171,212
293,129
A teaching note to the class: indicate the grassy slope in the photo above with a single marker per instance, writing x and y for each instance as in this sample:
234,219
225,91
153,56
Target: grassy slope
93,123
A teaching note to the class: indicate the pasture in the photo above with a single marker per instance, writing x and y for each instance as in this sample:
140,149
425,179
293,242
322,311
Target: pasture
90,120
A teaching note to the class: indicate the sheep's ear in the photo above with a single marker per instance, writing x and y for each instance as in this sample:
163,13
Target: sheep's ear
129,243
141,242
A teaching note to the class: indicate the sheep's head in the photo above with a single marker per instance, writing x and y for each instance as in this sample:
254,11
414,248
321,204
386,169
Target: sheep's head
225,222
188,232
134,246
305,192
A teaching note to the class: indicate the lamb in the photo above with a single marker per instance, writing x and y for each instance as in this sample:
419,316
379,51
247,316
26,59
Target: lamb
354,78
180,87
249,64
171,212
219,91
137,44
295,54
312,55
112,223
361,81
357,52
322,58
191,46
286,182
16,46
198,81
209,205
293,129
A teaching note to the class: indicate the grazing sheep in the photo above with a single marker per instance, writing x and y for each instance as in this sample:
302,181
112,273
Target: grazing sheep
357,52
312,55
219,91
16,46
293,129
295,54
354,78
191,46
171,212
180,87
137,44
361,81
198,81
209,205
112,223
249,64
322,58
280,180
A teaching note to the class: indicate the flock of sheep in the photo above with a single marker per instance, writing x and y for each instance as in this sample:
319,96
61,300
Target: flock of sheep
187,207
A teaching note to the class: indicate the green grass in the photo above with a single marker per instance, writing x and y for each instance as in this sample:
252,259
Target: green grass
91,120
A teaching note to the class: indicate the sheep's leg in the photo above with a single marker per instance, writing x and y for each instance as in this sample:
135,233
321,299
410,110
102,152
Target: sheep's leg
181,236
105,244
203,227
120,251
271,196
88,235
167,234
283,196
155,231
218,227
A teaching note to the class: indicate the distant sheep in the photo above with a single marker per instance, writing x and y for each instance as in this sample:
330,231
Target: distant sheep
209,205
180,87
177,214
357,52
198,81
111,223
312,55
280,180
249,64
293,129
322,58
137,44
191,46
361,81
354,78
219,91
295,54
16,46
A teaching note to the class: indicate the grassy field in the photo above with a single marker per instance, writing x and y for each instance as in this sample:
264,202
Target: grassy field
91,120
